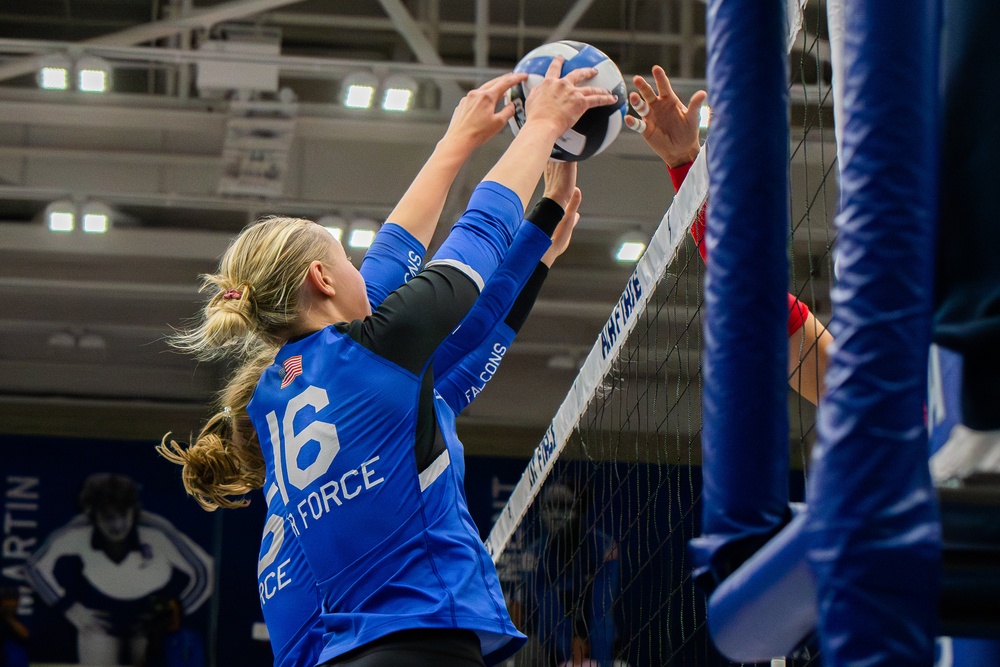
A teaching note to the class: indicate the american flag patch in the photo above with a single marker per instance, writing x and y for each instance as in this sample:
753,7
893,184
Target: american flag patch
293,369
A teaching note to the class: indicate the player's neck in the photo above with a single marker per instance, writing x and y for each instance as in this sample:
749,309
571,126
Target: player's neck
318,314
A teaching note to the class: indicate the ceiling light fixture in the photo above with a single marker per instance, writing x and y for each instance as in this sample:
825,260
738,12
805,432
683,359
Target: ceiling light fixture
333,224
93,74
96,217
362,234
60,216
53,72
630,247
398,92
358,90
704,116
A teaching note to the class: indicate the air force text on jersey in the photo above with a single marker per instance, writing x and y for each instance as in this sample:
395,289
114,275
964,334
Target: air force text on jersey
272,577
318,503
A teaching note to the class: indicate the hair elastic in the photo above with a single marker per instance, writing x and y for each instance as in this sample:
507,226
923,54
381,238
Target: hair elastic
232,294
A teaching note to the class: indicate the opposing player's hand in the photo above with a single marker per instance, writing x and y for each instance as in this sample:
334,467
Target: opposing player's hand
560,101
564,230
669,127
560,181
476,119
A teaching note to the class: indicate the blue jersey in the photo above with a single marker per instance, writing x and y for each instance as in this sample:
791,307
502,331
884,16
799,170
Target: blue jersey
361,460
288,594
394,257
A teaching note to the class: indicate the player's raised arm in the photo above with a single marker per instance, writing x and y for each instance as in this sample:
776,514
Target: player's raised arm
671,130
475,121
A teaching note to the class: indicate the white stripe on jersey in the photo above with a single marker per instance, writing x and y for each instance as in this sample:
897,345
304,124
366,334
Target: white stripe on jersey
434,470
461,266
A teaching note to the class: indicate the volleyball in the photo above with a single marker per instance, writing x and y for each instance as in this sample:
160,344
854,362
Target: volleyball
597,127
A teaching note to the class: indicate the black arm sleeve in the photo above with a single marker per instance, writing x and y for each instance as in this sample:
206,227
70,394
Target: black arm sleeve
413,320
526,299
546,215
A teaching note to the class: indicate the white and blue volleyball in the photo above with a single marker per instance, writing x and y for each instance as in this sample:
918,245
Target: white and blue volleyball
599,126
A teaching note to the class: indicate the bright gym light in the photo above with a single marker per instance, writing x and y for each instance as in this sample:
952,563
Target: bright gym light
630,251
398,93
358,90
95,223
53,74
96,217
92,74
333,224
631,245
60,216
362,233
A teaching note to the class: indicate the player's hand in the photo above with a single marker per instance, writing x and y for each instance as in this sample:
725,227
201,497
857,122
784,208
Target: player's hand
476,119
560,181
84,618
564,230
669,127
560,101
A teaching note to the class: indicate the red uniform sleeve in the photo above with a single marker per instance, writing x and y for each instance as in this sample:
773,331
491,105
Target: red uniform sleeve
797,314
677,176
797,311
679,173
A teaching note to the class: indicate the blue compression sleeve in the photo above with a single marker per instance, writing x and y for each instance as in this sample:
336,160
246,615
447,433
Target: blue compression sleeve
461,386
464,382
479,240
496,299
394,257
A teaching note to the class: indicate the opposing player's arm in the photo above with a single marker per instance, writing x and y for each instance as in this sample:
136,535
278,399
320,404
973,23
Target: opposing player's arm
671,130
808,356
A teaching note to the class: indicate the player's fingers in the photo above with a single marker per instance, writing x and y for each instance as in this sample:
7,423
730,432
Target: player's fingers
639,104
503,82
599,98
644,88
694,104
555,68
580,75
635,124
662,81
574,203
506,112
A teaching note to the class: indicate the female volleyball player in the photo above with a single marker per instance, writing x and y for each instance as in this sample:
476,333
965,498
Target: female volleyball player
671,130
350,441
292,612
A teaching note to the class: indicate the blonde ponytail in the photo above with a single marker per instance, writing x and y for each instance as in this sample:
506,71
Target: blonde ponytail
254,301
224,462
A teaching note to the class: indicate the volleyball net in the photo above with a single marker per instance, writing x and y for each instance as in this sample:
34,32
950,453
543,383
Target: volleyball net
592,547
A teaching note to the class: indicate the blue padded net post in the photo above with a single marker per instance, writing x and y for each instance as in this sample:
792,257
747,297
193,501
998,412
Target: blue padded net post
873,520
745,423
